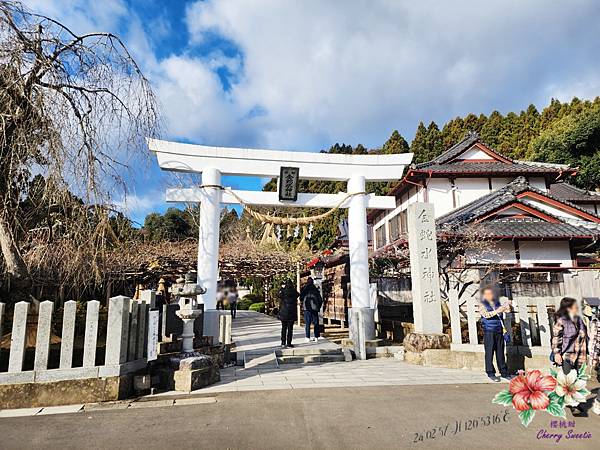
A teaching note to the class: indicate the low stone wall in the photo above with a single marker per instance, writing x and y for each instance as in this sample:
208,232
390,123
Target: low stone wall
473,360
65,392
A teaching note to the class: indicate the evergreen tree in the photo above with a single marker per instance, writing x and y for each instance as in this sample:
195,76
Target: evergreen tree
492,129
435,144
419,144
395,144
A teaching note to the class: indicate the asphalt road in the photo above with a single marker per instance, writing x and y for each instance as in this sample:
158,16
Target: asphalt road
435,416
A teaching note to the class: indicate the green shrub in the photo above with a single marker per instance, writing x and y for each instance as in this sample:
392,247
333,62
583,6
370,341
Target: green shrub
244,304
253,298
258,307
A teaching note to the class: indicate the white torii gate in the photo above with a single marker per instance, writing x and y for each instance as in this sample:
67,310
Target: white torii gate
213,162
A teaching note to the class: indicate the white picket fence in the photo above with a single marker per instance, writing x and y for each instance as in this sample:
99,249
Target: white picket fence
530,313
126,338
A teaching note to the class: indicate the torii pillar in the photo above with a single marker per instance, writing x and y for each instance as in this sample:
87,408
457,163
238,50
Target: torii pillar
213,162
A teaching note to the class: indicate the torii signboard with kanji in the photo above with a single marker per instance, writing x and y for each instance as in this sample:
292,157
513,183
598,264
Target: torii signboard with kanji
213,162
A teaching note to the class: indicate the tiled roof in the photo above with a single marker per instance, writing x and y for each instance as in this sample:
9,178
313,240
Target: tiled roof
455,150
442,162
504,196
566,191
526,228
495,167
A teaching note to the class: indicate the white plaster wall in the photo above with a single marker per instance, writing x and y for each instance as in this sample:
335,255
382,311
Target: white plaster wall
552,210
475,153
501,252
538,183
439,192
498,183
470,189
545,252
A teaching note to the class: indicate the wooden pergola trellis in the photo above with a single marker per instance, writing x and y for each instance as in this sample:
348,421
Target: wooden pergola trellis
147,262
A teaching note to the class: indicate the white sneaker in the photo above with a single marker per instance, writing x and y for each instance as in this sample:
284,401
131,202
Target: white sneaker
596,407
307,340
313,339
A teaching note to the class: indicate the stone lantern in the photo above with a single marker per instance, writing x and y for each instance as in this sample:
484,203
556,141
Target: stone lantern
186,292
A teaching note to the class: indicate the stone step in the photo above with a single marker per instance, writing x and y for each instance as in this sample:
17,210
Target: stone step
260,360
302,351
347,342
389,351
311,359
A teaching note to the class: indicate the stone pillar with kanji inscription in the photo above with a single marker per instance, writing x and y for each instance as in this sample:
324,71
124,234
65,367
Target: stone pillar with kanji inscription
427,309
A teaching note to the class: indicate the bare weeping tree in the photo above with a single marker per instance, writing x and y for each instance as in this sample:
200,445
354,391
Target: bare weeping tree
74,109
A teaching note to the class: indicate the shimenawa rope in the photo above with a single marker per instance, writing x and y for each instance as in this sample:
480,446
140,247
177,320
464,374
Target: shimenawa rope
275,220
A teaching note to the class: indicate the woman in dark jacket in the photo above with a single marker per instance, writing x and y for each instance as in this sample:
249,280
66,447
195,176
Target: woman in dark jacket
288,299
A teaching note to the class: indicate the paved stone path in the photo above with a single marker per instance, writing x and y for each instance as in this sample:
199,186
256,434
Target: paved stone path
252,331
259,334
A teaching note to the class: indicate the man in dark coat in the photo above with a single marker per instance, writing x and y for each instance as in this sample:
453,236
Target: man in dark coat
312,302
288,297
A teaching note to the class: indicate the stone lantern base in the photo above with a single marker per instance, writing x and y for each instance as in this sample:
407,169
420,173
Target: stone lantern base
195,372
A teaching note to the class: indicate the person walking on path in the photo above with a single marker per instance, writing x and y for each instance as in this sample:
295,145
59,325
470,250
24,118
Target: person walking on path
493,333
569,338
232,297
288,296
220,297
311,301
594,351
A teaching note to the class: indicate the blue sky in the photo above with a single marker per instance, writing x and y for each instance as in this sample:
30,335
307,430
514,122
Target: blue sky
302,75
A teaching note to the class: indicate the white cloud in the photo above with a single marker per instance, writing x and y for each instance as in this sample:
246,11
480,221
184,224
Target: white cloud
311,73
138,206
353,71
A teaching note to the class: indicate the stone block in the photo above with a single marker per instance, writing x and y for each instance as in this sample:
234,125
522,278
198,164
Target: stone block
17,377
418,342
68,392
17,340
195,362
191,380
91,333
148,296
66,409
117,330
373,342
42,342
68,334
75,373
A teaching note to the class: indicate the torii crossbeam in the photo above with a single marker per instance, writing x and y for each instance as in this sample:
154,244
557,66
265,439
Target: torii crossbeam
213,162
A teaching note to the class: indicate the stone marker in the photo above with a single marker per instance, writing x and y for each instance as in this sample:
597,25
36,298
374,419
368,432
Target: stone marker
427,308
42,343
2,308
17,340
141,338
133,330
91,333
68,334
116,330
148,296
152,350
